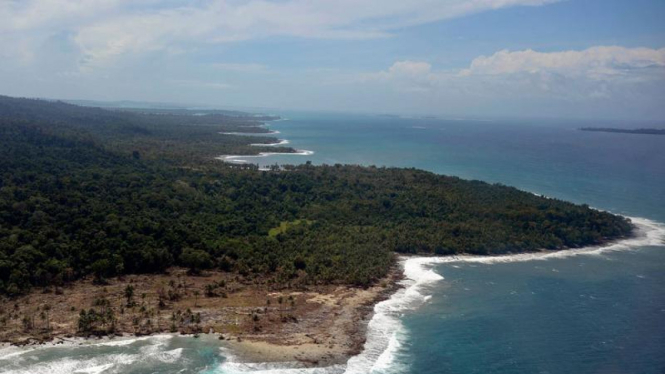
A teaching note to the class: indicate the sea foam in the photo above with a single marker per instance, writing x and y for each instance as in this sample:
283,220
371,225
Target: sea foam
386,334
648,233
21,360
281,142
241,159
272,132
232,365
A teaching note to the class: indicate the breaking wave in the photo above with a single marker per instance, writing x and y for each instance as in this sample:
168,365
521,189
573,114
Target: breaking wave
382,353
272,132
241,159
385,331
281,142
60,359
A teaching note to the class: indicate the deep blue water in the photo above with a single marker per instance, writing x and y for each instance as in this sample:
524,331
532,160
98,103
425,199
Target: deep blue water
585,314
623,173
602,311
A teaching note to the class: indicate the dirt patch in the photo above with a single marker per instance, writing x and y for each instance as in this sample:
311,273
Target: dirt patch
318,325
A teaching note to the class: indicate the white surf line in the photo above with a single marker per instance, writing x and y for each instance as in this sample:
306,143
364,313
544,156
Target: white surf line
241,159
232,366
649,233
281,142
272,132
9,351
385,330
115,361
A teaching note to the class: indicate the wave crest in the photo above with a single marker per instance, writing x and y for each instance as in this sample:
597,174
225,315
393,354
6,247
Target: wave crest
385,331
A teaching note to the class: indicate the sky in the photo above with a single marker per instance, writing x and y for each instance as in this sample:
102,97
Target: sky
601,59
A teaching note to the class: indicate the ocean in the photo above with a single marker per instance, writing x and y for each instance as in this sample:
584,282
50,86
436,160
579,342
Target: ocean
594,310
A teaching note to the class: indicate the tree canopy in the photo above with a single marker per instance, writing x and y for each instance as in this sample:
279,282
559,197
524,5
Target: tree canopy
76,200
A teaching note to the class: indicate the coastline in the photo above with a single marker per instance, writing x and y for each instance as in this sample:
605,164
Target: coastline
271,132
281,142
322,326
238,159
385,330
346,333
365,330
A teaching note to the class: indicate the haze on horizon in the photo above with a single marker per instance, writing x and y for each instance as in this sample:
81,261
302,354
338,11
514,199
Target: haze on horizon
568,58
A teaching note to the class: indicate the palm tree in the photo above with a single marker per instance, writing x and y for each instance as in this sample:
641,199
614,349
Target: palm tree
196,297
129,293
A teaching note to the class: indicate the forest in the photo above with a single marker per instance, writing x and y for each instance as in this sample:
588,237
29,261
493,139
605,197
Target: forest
102,193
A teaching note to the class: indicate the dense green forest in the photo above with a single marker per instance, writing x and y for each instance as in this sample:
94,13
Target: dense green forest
88,191
178,135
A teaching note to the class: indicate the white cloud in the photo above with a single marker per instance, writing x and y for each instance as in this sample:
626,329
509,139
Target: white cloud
121,49
242,68
605,82
410,68
107,29
595,73
596,63
413,76
201,84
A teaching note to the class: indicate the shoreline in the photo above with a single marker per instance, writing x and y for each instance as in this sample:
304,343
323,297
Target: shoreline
281,142
386,326
271,132
351,324
241,321
366,329
647,232
238,159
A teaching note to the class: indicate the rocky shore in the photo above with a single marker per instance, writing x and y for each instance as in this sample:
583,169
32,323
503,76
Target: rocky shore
316,325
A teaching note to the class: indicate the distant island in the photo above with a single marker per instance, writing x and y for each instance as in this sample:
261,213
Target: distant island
124,222
626,131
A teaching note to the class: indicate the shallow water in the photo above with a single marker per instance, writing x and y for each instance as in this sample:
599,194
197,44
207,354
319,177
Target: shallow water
155,354
600,310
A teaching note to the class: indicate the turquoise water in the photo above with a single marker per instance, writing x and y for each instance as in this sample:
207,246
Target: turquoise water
155,354
598,310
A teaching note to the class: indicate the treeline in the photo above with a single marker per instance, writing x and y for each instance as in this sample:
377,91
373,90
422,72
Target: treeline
177,136
72,206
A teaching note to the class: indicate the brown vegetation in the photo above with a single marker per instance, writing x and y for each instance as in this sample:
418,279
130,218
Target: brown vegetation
312,324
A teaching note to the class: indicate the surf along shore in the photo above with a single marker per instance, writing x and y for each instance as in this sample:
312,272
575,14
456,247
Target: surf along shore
244,159
316,325
312,325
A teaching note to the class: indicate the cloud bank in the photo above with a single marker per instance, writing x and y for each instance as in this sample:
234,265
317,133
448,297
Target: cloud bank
593,72
249,53
597,63
104,30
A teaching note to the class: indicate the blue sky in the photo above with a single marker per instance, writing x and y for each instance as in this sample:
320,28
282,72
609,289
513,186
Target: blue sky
480,58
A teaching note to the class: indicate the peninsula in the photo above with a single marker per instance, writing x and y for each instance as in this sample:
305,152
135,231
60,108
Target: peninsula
120,222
